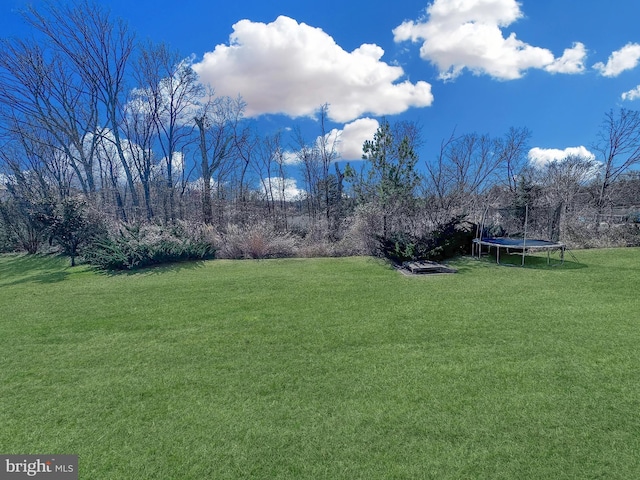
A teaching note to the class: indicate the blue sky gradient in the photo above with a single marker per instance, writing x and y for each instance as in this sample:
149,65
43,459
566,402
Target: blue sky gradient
562,106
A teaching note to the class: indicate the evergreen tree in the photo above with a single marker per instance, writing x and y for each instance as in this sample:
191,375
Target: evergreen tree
392,179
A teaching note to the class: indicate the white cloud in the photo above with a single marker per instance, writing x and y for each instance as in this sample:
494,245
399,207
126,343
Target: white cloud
633,94
540,157
459,34
352,137
177,166
291,190
624,59
198,184
346,143
290,158
175,98
106,153
292,68
572,60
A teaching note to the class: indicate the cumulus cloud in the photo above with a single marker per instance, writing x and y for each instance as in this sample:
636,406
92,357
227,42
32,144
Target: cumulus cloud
540,157
290,158
173,99
351,138
107,153
633,94
346,144
177,166
198,184
467,34
291,192
572,60
626,58
292,68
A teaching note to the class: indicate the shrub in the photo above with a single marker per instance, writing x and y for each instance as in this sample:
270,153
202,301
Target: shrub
259,240
70,224
446,241
362,230
453,238
316,249
21,229
141,246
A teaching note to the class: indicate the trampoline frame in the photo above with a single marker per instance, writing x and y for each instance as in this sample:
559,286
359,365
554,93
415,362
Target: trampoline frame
523,245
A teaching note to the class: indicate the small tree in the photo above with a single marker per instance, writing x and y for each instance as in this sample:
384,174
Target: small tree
69,225
526,194
392,176
20,226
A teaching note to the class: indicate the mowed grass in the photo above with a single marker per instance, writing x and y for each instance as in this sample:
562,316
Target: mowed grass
325,369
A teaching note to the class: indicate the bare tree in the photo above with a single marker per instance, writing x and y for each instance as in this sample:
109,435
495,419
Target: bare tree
283,181
511,151
264,166
563,179
474,163
217,124
245,143
139,127
309,161
170,92
26,189
32,151
43,101
97,50
315,159
466,167
328,153
439,182
619,148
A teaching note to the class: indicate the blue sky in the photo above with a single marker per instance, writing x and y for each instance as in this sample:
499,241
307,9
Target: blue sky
483,66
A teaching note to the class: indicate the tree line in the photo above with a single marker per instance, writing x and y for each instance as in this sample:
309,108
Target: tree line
99,131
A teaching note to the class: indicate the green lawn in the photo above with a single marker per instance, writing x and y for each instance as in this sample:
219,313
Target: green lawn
325,369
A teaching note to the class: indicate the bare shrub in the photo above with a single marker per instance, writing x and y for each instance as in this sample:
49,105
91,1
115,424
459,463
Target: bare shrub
360,231
601,235
256,241
316,242
315,249
197,231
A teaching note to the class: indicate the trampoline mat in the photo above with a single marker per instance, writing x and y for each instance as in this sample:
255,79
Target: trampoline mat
519,243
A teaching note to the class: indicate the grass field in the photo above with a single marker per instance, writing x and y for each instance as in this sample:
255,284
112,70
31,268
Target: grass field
325,369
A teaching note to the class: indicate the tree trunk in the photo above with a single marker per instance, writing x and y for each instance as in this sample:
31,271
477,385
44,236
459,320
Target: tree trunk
207,210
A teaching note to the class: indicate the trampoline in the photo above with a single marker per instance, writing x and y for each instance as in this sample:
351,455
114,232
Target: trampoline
520,245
